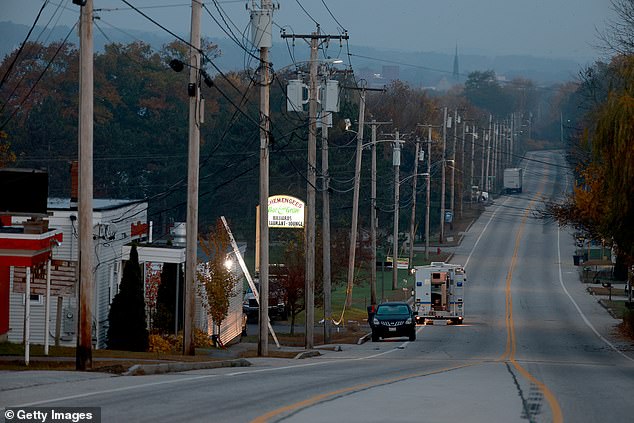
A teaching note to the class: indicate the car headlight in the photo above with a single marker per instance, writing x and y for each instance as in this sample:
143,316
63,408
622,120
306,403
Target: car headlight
376,321
408,321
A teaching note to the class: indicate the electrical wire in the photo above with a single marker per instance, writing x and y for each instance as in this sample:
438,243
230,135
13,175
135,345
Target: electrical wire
333,16
17,55
306,12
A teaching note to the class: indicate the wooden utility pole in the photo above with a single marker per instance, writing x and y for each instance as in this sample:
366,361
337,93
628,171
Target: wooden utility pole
193,161
452,197
373,220
396,161
412,222
327,283
83,354
473,137
462,166
263,39
355,200
443,174
309,284
428,193
486,183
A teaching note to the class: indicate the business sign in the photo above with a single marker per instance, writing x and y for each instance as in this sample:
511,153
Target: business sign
286,212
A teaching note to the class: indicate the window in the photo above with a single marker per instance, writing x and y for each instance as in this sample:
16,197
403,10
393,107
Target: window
36,299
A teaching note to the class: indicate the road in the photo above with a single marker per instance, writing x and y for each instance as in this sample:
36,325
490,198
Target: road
534,348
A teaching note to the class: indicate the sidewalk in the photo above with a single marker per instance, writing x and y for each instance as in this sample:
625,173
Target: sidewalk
234,355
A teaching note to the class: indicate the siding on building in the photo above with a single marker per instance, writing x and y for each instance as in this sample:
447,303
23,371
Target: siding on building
112,222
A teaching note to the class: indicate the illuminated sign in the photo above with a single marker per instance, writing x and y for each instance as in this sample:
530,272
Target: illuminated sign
286,212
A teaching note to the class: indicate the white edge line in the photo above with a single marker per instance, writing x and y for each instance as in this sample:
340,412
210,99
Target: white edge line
585,319
193,378
497,208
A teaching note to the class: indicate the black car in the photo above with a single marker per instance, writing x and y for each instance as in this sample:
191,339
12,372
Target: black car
393,319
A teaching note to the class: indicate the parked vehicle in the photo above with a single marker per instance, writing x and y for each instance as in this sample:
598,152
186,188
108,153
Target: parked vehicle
513,180
278,306
393,319
439,293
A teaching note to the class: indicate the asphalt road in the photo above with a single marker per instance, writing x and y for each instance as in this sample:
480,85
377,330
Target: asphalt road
534,348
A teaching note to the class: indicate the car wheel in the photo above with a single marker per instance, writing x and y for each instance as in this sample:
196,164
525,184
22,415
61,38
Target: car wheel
375,337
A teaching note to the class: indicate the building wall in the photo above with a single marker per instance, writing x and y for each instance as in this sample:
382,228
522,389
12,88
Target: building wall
4,301
111,230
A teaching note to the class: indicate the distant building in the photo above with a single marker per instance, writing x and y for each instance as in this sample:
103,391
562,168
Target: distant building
391,73
456,66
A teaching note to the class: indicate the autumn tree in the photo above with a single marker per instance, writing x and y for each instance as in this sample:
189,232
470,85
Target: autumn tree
602,203
216,279
6,155
127,328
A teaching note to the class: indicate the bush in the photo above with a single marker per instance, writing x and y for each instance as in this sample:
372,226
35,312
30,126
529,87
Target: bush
159,344
174,344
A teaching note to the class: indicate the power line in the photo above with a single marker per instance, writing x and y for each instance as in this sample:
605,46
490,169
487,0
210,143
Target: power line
333,16
15,58
306,12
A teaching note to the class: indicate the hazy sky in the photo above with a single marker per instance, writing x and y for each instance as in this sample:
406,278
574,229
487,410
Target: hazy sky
552,28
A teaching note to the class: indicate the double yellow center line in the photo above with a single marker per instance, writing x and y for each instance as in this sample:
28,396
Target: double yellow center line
511,340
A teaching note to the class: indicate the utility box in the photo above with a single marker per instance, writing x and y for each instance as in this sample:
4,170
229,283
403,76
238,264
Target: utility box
295,95
330,96
261,25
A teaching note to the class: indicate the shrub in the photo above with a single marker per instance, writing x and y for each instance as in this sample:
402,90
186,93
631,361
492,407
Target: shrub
159,344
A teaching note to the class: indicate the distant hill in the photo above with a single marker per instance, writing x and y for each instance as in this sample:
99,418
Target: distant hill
420,69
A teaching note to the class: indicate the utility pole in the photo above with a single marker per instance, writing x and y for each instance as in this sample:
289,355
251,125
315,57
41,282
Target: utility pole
192,180
373,220
83,354
309,285
443,174
428,193
412,221
396,161
355,201
473,137
262,20
462,166
326,232
452,198
485,138
487,184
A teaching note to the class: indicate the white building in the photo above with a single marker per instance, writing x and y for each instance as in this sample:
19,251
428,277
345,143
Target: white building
115,223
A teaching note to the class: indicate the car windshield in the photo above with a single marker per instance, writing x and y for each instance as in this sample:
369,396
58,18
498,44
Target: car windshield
392,309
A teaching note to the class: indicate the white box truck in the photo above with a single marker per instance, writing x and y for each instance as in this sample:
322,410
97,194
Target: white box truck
439,293
513,180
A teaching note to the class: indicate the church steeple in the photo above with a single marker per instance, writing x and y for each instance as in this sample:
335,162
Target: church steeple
456,67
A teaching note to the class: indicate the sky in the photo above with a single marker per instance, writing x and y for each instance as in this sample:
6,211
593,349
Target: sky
543,28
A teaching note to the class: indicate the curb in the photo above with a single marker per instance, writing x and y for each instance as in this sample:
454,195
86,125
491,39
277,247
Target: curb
155,369
364,338
307,354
